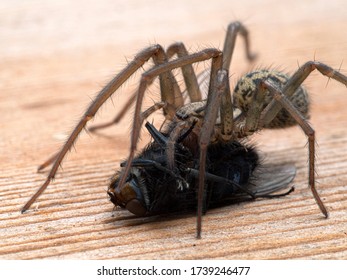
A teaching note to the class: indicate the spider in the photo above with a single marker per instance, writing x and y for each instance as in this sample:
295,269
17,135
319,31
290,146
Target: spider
261,99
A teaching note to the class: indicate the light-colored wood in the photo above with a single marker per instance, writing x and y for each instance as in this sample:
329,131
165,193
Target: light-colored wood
56,55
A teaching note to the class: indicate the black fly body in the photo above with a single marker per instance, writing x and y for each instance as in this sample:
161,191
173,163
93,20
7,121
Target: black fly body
152,188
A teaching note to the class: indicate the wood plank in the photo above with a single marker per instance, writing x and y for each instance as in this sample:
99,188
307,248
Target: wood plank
56,56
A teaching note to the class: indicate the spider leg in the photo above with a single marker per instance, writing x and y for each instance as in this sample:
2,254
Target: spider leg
189,76
146,79
149,111
105,93
226,109
48,162
235,28
253,119
295,81
169,89
118,117
308,130
218,87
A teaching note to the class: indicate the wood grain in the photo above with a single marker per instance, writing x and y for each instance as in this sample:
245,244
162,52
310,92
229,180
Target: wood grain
56,55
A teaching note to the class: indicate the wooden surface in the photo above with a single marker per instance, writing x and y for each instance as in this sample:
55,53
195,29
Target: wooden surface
55,56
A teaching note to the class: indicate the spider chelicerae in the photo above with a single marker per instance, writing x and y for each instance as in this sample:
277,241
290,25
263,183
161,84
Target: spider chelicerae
261,99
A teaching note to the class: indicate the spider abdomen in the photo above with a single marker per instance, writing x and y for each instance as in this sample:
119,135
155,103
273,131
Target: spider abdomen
245,89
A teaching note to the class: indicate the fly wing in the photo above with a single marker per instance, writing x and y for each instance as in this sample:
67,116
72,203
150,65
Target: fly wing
267,181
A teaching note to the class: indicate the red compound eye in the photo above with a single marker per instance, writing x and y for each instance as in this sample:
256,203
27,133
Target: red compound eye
134,206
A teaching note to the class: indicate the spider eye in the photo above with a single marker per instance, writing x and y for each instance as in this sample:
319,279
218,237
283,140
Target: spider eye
135,206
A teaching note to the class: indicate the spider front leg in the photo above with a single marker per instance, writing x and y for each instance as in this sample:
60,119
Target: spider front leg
219,85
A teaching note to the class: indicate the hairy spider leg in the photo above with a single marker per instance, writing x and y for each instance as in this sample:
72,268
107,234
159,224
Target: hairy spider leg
235,28
188,72
218,87
308,130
